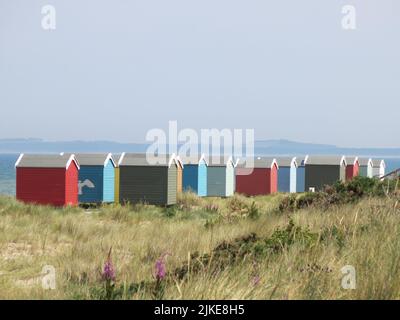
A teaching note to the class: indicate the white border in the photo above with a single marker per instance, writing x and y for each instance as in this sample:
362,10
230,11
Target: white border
19,160
110,157
343,159
71,159
121,158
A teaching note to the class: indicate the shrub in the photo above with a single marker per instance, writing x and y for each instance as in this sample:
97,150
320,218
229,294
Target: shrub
339,193
188,200
170,211
282,239
236,251
253,211
288,203
238,204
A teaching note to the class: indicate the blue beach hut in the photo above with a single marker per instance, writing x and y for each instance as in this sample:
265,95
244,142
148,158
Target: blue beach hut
195,175
301,174
96,178
287,174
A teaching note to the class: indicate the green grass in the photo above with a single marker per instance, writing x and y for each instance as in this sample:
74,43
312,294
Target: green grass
295,254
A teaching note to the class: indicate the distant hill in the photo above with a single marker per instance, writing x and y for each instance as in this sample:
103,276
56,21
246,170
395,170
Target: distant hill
262,147
40,146
286,147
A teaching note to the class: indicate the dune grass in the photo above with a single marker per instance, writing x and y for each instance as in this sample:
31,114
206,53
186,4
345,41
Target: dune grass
303,264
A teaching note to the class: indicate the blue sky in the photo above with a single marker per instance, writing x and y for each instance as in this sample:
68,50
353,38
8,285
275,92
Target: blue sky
115,69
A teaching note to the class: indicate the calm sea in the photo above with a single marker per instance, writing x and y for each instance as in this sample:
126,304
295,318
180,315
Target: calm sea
7,171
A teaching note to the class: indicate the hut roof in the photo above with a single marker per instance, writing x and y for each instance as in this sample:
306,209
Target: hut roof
221,161
365,162
286,161
46,161
352,160
193,159
326,160
301,161
377,163
94,159
142,159
257,162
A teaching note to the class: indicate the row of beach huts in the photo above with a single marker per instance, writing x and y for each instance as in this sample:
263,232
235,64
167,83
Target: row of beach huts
69,179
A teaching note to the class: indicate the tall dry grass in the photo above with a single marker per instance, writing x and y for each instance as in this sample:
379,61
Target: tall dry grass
365,235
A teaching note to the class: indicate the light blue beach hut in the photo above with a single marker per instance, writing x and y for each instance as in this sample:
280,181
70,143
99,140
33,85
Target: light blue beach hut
366,167
220,177
195,174
287,174
301,173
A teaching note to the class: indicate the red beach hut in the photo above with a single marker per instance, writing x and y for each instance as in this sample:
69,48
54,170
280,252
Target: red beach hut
258,177
352,168
47,179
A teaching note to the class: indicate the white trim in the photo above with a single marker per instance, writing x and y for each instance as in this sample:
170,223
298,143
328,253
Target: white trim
274,161
203,157
236,163
71,159
383,164
179,160
343,159
172,159
294,161
121,158
356,160
110,157
19,160
305,159
230,159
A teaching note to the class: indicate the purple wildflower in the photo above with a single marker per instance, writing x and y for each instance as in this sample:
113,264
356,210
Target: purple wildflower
256,280
161,270
108,270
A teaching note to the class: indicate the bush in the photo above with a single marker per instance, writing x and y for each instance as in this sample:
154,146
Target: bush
253,211
282,239
249,246
239,207
363,186
237,204
170,211
188,200
288,203
339,193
